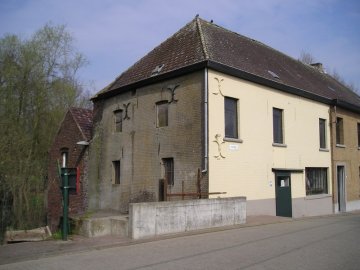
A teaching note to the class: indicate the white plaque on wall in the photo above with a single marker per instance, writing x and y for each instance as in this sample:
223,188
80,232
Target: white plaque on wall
233,147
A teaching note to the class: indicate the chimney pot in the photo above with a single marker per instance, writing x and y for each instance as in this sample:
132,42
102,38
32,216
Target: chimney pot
318,66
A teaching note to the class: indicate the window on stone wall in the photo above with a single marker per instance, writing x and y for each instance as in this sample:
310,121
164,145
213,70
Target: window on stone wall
339,131
162,112
169,170
116,172
231,117
322,133
316,181
118,117
358,134
278,132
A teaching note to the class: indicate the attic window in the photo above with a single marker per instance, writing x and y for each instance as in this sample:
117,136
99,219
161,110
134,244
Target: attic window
157,70
275,76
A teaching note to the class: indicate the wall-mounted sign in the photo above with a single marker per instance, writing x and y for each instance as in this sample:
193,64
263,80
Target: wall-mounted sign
233,147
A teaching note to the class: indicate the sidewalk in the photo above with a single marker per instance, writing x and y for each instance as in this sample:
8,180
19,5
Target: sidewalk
24,251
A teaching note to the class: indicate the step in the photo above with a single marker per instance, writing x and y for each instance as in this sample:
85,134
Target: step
102,226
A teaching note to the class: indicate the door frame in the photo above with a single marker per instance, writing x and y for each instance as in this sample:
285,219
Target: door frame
341,189
279,174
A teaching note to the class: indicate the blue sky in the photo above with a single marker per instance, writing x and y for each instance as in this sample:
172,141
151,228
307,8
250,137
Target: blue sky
114,34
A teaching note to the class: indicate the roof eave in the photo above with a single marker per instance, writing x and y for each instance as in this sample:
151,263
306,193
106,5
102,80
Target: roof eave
233,72
346,105
150,80
266,82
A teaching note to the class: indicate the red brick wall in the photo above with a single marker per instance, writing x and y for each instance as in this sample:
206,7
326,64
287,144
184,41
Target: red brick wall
66,137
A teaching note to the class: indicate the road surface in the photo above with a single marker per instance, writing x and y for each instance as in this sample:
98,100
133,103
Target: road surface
331,242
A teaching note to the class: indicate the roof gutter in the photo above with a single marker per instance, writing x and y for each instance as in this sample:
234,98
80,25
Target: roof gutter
266,82
346,105
155,79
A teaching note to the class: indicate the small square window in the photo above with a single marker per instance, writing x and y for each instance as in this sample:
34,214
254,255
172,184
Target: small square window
162,111
118,117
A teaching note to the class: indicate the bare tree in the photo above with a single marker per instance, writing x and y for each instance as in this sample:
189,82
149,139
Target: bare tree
307,58
38,83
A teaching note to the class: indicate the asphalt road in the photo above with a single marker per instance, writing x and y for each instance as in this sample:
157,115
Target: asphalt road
331,242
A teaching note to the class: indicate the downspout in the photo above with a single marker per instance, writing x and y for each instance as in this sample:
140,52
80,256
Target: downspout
332,146
206,135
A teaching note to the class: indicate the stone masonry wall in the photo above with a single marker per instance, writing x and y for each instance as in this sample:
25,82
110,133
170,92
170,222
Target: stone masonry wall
347,155
141,145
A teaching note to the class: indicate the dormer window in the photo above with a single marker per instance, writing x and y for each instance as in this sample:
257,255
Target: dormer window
274,75
157,70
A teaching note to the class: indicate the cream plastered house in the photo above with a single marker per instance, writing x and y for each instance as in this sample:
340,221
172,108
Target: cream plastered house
253,121
252,162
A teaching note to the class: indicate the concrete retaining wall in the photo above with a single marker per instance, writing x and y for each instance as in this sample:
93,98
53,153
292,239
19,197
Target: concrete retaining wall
157,218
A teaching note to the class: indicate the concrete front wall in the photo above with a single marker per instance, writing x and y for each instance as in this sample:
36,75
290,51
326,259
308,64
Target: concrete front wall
347,155
152,219
245,167
141,145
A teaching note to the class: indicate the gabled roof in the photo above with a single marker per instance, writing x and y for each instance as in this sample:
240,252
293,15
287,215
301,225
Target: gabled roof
83,118
201,44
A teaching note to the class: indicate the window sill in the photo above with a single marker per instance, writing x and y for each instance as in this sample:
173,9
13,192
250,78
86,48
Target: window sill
317,196
324,150
232,140
341,145
279,145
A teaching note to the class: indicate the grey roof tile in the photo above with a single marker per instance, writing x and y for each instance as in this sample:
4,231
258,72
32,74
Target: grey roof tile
83,117
201,41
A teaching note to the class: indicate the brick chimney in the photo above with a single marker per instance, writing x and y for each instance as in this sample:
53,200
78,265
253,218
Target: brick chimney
318,66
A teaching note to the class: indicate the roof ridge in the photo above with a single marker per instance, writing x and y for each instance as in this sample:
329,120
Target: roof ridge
250,39
203,44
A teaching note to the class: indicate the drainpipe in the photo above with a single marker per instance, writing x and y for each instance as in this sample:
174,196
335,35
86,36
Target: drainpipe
206,135
332,146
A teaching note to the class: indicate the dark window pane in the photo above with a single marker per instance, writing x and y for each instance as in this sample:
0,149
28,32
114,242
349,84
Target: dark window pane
322,131
231,120
316,181
278,125
162,113
169,170
358,130
118,120
116,166
339,131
